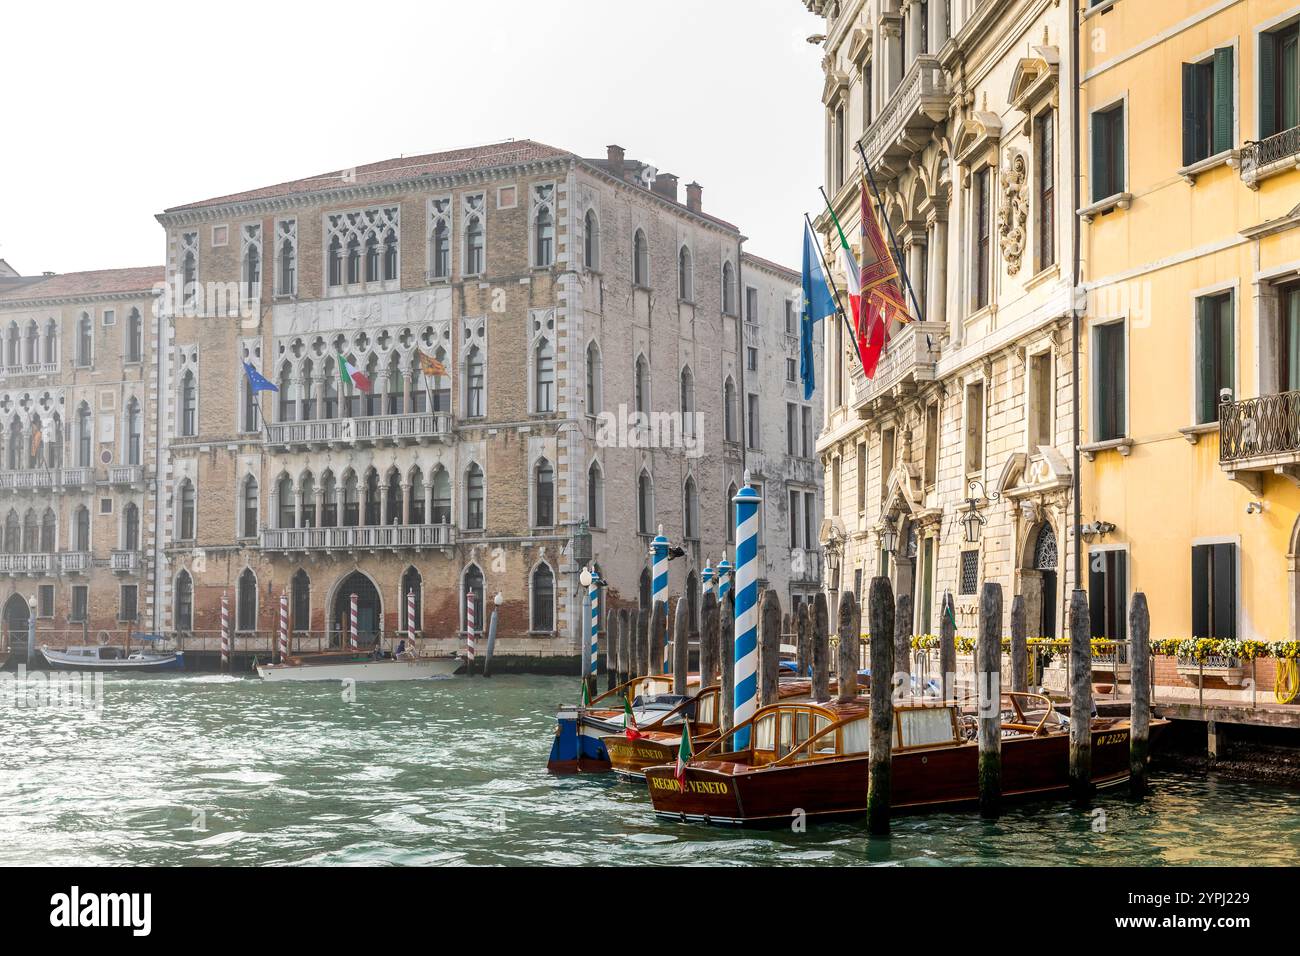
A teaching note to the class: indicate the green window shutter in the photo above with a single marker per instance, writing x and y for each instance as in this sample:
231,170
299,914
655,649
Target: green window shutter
1227,352
1206,359
1223,89
1201,590
1189,114
1100,188
1267,85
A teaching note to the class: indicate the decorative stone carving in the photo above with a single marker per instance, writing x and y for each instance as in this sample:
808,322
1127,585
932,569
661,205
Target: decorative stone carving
1014,211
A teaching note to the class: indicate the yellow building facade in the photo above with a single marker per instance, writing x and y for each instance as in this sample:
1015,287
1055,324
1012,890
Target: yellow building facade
1190,262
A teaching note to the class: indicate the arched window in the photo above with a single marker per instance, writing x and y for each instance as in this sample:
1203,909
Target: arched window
190,407
288,261
441,250
412,586
418,495
373,400
728,289
394,387
371,492
544,495
189,277
300,601
31,532
595,496
645,504
134,432
393,513
308,391
84,436
691,510
474,246
544,375
287,516
14,445
307,501
543,598
32,344
248,510
51,349
472,583
354,260
390,256
187,528
544,231
591,240
728,510
85,342
13,533
441,510
474,498
184,607
329,508
474,391
246,601
49,531
640,259
335,262
134,336
688,403
595,380
131,527
685,275
440,385
252,266
351,500
729,431
12,351
642,385
287,405
81,529
251,406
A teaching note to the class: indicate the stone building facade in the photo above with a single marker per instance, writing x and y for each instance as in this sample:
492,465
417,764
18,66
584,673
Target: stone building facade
589,321
962,109
78,464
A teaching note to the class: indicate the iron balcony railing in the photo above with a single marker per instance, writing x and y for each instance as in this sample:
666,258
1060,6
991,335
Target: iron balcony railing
362,537
409,427
1259,427
1258,155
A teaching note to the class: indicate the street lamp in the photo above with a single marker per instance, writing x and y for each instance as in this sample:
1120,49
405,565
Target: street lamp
971,519
889,536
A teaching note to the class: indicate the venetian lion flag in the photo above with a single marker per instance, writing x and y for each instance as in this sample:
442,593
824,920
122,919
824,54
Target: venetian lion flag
880,288
430,366
352,375
629,721
683,752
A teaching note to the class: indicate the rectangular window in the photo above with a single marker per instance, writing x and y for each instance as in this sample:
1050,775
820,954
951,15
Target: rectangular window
1045,212
806,431
45,601
1040,400
1111,375
791,370
77,613
794,518
931,444
789,318
1215,354
751,358
752,416
835,485
791,429
1207,107
126,606
887,454
1214,591
1108,152
751,305
970,572
974,428
1288,347
862,477
840,140
810,519
1108,594
1279,81
866,95
110,317
983,235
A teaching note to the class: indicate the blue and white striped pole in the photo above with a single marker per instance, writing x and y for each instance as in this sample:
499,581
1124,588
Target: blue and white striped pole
659,582
747,501
593,594
723,574
706,583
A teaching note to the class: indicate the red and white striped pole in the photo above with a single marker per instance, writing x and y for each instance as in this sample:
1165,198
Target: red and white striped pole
225,631
471,625
352,621
410,614
284,626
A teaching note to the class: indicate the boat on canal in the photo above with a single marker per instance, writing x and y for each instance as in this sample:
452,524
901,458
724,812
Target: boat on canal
580,730
814,757
153,656
630,752
351,665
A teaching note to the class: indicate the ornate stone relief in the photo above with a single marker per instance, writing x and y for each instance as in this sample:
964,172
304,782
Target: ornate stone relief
1014,210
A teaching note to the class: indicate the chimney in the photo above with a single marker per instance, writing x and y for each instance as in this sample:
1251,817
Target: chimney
615,154
665,184
693,192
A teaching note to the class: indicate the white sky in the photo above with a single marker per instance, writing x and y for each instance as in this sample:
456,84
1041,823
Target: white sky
113,112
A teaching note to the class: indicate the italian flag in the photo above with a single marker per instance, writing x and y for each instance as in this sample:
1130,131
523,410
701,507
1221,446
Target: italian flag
352,375
586,693
684,752
629,722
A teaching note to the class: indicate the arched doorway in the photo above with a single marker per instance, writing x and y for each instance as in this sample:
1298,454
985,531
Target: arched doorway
15,626
1044,562
370,612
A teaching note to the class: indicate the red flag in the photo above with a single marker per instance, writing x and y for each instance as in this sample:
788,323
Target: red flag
881,290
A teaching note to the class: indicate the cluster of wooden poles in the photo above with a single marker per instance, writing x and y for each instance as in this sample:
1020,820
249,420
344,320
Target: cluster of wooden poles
633,643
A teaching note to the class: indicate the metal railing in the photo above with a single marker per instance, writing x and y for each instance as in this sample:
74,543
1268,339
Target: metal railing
361,537
1256,427
1258,155
406,427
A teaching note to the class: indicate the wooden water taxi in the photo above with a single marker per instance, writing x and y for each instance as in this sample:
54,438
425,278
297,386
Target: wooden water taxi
110,657
657,742
813,758
578,746
350,665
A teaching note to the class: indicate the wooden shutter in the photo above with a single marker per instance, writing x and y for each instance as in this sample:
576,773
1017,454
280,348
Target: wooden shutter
1222,136
1117,569
1200,590
1100,184
1190,74
1267,85
1097,595
1224,572
1206,359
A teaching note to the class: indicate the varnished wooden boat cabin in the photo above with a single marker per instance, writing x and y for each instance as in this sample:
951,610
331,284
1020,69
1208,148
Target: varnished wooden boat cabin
578,747
658,741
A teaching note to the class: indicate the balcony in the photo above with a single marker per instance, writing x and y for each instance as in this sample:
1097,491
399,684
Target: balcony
44,479
903,127
124,562
1263,158
361,432
74,562
1258,436
359,538
910,358
36,564
126,475
30,368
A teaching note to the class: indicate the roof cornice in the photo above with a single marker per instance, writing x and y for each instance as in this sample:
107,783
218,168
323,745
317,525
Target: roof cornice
7,305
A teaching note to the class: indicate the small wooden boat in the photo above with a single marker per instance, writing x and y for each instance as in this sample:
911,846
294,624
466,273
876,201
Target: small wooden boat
349,665
657,741
813,758
105,657
579,746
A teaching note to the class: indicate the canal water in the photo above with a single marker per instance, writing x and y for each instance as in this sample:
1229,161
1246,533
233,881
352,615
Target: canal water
209,769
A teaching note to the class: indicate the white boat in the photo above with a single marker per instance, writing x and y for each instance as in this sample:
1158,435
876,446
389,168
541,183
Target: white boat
359,668
111,657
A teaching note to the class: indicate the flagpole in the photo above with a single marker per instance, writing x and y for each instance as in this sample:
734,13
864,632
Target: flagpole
893,240
839,306
257,402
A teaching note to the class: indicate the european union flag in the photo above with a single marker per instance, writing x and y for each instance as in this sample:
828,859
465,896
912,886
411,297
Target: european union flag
257,381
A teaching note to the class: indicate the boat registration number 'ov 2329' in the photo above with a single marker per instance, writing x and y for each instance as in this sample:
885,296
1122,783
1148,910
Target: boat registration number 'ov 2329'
692,786
75,909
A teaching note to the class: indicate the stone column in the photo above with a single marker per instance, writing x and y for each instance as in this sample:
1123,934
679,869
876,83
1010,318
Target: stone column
936,294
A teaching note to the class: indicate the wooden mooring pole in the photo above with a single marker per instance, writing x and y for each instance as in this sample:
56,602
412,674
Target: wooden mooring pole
641,640
609,639
849,660
727,658
1139,629
903,641
803,630
624,644
948,647
681,646
989,679
709,641
1019,645
769,648
1080,697
880,615
821,649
